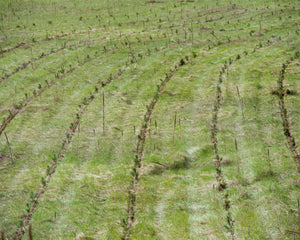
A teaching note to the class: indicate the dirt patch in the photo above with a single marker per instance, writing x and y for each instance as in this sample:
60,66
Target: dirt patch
4,161
2,157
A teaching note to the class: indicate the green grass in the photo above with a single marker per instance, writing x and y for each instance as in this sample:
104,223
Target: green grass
177,195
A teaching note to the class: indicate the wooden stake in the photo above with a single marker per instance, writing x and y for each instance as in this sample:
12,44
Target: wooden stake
260,27
241,102
30,233
77,147
181,10
237,156
2,235
10,151
236,146
298,202
175,119
174,127
192,33
150,124
103,117
179,122
269,162
31,62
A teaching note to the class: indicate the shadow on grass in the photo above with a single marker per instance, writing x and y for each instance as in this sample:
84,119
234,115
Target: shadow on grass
159,168
265,175
5,161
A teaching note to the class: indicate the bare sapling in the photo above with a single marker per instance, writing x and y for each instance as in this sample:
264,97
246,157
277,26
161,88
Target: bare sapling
237,155
241,101
174,127
30,232
10,151
103,113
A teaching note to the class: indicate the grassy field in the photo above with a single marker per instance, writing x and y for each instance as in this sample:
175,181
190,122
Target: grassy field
128,119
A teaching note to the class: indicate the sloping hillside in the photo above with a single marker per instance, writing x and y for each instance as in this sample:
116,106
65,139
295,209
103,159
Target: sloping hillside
128,119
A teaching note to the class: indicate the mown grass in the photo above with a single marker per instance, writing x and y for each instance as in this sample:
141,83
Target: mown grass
177,195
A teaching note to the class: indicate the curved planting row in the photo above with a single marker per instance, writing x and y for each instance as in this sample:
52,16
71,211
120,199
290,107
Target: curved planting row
281,93
222,184
135,172
54,37
22,104
20,44
32,205
218,159
60,74
61,35
24,65
51,170
128,223
48,38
